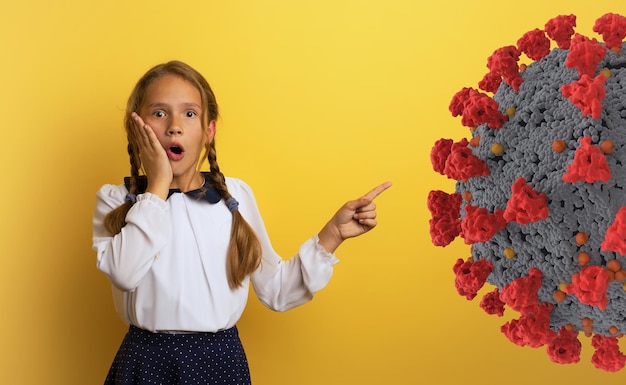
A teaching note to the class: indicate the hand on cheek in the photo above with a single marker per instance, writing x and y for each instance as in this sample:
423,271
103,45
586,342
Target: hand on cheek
154,159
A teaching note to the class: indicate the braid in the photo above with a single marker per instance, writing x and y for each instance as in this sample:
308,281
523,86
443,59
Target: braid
216,177
116,218
244,249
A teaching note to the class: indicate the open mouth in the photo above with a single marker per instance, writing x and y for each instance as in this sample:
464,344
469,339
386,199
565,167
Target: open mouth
175,152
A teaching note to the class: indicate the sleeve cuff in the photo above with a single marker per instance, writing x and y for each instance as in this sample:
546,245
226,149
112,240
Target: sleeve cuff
319,250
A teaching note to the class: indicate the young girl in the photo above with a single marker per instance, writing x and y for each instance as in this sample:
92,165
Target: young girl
181,246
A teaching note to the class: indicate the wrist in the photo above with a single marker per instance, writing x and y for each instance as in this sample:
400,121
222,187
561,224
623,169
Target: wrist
329,238
159,189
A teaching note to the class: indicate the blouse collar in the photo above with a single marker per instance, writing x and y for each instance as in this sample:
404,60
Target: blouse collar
208,193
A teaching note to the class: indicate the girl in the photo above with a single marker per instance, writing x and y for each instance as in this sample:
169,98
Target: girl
177,249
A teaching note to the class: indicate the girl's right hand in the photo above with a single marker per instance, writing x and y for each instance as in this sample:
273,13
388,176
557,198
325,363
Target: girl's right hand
154,159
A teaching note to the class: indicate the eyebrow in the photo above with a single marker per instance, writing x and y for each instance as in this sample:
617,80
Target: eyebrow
159,104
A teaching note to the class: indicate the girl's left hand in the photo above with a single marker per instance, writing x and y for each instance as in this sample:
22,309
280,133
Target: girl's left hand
353,219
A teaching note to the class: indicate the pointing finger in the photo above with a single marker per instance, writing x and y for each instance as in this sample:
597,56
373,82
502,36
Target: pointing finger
377,191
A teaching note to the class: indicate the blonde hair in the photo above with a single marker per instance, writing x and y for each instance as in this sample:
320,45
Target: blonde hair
244,250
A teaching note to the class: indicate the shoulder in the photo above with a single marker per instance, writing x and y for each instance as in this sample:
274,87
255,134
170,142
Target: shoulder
113,195
238,187
241,191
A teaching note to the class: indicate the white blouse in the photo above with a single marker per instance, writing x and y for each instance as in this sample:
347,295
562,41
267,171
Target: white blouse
167,266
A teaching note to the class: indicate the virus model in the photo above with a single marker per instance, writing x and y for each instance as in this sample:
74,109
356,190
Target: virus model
541,189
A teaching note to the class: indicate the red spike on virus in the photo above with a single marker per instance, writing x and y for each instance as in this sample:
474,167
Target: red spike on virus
445,224
481,109
457,104
471,276
532,329
590,286
462,164
539,190
503,62
560,29
612,27
479,225
490,83
522,294
492,304
534,44
525,205
585,54
589,165
565,347
587,94
476,108
440,153
615,238
607,355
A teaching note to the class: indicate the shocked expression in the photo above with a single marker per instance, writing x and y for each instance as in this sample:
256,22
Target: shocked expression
172,106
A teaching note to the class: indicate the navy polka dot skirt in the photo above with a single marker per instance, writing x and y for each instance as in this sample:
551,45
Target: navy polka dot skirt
175,359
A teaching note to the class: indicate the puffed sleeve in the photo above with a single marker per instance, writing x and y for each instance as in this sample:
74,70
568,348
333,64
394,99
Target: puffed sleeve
284,284
126,257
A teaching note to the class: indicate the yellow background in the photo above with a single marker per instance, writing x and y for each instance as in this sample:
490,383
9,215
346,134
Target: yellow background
321,100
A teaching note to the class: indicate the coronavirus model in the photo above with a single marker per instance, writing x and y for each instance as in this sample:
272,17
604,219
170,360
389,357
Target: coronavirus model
541,189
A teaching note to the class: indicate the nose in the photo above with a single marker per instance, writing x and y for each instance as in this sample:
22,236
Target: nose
175,128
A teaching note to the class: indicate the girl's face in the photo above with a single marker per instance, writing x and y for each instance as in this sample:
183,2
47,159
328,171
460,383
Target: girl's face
173,108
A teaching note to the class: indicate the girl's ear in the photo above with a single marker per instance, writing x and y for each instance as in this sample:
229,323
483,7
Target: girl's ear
210,131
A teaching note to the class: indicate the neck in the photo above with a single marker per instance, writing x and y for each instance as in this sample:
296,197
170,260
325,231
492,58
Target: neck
187,183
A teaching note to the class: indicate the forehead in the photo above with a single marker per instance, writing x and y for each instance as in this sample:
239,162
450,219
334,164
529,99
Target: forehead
171,89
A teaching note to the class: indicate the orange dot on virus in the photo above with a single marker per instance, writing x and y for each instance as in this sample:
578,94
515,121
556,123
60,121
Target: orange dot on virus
583,258
563,285
467,196
614,265
613,330
605,72
497,149
582,238
558,145
522,67
510,112
611,275
587,324
620,276
509,253
475,141
607,146
559,296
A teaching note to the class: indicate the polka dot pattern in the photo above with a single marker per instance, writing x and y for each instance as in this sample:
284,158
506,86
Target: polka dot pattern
147,358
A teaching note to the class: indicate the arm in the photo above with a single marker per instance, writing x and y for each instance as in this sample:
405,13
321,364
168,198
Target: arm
127,256
282,285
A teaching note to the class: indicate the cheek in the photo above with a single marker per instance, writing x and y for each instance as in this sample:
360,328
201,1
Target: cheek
158,132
